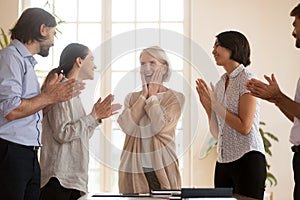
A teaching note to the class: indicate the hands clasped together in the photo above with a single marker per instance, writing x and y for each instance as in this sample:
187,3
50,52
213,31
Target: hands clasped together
207,96
151,85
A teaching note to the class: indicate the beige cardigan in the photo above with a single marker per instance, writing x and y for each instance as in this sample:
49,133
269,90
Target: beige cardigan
161,116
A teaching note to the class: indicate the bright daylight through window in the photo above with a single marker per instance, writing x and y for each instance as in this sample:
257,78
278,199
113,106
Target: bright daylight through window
94,23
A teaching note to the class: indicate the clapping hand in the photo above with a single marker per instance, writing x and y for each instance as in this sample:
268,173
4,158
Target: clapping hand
262,90
58,91
207,96
104,109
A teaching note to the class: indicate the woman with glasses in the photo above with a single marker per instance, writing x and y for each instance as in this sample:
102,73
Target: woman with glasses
149,120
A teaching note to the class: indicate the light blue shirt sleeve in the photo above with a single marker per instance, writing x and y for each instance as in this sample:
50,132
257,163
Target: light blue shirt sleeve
10,83
18,81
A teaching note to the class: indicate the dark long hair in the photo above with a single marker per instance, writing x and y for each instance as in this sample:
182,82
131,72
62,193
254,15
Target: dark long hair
27,28
67,59
238,44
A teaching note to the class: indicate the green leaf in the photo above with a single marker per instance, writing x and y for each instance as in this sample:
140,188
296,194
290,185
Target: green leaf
271,136
262,123
5,41
267,138
4,37
1,45
271,179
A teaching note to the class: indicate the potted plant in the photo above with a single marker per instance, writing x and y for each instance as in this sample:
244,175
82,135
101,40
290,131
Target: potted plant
267,137
4,41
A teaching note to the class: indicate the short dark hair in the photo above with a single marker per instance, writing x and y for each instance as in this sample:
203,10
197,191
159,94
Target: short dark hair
296,11
238,44
27,28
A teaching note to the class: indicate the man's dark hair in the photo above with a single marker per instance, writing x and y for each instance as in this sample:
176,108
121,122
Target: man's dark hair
27,28
238,44
296,11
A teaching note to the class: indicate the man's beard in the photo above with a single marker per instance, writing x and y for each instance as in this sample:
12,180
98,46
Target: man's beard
44,51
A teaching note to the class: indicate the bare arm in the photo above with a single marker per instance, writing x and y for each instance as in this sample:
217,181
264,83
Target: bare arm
28,107
56,92
288,107
213,125
271,92
244,120
205,99
241,122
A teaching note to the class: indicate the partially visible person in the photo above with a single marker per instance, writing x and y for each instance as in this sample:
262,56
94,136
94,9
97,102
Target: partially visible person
149,120
234,119
21,103
290,108
67,129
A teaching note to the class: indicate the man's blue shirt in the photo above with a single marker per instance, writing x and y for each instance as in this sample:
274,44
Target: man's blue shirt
18,81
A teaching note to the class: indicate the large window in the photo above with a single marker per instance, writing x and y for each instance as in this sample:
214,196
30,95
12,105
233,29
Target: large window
117,31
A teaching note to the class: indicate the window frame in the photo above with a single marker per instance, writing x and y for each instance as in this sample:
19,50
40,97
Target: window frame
106,33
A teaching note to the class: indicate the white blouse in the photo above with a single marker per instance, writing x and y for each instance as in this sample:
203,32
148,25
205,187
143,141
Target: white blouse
232,145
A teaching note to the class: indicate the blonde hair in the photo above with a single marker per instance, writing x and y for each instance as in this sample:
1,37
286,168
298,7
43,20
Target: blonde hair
159,54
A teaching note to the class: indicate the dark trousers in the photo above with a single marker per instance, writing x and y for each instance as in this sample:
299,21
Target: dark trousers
54,191
151,179
246,175
19,172
296,168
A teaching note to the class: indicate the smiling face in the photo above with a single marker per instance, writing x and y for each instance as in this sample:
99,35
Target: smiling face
87,67
49,33
222,55
149,65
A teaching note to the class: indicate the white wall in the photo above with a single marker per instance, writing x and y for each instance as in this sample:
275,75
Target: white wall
8,13
268,27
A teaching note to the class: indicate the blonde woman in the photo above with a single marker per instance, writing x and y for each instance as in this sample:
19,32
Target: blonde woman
149,120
